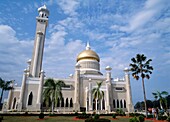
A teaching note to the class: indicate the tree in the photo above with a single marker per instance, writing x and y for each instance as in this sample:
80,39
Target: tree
138,105
140,67
149,103
168,101
53,91
4,85
98,94
159,95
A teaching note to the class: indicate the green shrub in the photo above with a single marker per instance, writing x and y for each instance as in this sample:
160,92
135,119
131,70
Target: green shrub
120,112
41,116
1,118
114,116
97,120
76,113
141,118
96,116
131,114
137,114
160,117
168,119
83,116
150,116
134,119
26,113
51,114
164,117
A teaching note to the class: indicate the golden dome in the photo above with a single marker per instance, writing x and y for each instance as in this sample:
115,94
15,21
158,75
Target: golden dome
88,54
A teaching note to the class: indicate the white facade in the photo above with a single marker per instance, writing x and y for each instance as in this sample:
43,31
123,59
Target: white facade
77,95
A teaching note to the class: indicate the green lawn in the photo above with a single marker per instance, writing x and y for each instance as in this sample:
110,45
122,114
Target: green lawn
53,119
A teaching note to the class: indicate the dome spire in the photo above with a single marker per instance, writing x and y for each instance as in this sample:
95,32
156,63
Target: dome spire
88,46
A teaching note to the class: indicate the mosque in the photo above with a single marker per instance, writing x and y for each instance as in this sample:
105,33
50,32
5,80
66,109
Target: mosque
77,94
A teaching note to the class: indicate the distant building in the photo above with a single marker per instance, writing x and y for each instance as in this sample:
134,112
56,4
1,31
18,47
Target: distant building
77,94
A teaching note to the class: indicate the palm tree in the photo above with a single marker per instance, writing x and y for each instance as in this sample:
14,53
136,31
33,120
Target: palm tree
53,91
159,95
98,94
4,85
140,67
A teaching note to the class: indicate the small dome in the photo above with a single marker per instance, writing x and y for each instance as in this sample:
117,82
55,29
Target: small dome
43,8
88,54
108,68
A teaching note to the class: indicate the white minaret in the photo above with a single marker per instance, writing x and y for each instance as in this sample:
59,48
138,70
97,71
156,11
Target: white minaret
42,22
128,93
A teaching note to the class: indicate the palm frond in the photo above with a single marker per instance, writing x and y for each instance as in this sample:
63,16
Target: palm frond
133,60
164,93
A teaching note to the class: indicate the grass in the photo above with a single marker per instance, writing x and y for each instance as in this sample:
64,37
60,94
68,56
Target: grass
55,119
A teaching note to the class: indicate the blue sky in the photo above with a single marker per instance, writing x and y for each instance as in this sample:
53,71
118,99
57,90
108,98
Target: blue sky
116,29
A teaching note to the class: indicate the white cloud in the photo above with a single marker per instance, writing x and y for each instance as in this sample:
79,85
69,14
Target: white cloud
61,58
71,23
150,11
69,6
94,35
12,53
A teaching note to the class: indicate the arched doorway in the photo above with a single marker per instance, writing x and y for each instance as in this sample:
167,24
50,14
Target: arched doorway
103,104
62,102
114,104
71,102
117,103
30,99
58,102
94,104
124,103
14,103
121,104
66,102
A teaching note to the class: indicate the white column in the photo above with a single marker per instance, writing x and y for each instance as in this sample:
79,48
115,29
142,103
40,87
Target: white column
105,104
90,95
101,104
36,54
86,99
77,87
22,90
107,96
96,104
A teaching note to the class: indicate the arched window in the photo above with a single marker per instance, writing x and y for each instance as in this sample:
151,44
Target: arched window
30,98
58,102
62,102
103,104
117,103
71,102
66,102
114,104
124,103
14,102
94,104
121,104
